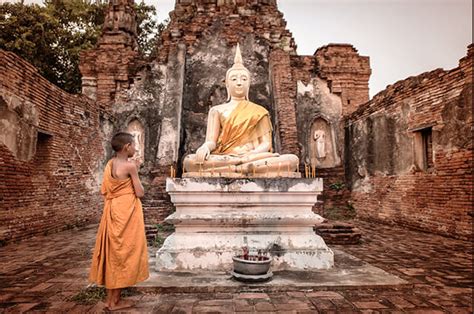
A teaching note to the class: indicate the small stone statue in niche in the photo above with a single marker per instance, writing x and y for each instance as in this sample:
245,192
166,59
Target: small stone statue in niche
320,138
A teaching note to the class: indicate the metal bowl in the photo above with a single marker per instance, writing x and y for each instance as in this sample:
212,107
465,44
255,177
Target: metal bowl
249,267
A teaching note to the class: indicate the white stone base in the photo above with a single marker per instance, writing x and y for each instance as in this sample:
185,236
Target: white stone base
216,217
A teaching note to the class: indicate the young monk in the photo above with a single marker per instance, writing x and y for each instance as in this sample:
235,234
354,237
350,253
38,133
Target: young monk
120,256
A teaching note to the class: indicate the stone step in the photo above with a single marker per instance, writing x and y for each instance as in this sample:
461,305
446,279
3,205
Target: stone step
150,232
342,238
157,208
156,203
338,233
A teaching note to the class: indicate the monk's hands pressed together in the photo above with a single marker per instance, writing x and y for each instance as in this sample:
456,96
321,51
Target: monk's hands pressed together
136,161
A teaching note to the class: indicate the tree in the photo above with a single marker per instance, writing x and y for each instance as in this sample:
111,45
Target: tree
52,36
148,29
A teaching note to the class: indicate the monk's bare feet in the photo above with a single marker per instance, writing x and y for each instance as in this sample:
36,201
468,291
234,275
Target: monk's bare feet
120,305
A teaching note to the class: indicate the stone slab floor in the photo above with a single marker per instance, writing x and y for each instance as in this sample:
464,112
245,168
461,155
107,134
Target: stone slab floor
43,274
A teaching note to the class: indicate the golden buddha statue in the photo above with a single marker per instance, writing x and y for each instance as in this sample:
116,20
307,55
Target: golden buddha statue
239,137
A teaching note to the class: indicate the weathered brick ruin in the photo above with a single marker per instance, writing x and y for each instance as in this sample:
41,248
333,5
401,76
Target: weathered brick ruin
50,154
409,152
403,157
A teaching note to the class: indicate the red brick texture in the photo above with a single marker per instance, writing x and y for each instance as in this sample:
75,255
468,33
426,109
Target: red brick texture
192,19
347,73
439,199
108,70
57,188
284,97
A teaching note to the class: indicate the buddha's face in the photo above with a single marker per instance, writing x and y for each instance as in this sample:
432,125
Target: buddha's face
238,82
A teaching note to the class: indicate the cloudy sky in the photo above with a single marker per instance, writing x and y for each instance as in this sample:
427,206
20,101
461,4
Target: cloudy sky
401,37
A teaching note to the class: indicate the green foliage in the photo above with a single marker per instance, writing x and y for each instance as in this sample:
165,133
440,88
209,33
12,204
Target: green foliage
148,30
165,227
90,295
159,240
52,36
163,230
93,294
337,186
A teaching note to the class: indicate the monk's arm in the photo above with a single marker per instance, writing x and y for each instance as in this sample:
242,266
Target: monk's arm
137,185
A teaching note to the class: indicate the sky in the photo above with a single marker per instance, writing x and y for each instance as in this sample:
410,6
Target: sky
403,38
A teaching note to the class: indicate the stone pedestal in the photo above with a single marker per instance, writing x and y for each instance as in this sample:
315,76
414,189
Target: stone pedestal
216,217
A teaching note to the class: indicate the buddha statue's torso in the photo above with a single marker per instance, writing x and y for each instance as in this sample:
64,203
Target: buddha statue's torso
225,111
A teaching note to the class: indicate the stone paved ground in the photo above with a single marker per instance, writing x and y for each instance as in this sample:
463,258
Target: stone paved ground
44,273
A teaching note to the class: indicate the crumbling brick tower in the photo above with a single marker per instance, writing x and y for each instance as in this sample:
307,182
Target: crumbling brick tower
107,69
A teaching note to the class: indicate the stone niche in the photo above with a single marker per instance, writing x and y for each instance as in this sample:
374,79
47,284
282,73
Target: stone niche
18,126
136,128
321,144
319,113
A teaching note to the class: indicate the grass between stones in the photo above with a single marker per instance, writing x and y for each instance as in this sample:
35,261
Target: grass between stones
94,294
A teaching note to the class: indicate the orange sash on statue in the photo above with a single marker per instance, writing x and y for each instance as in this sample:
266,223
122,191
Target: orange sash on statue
120,256
241,127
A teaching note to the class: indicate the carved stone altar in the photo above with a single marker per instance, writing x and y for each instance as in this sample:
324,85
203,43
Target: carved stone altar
216,217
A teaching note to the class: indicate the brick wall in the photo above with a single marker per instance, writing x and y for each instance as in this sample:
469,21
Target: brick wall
284,96
381,161
347,73
55,184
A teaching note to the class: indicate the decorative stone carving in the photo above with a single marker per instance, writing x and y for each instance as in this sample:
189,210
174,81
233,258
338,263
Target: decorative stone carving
321,144
320,138
136,128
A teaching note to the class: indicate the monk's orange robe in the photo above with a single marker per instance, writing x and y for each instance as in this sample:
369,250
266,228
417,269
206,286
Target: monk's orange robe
120,256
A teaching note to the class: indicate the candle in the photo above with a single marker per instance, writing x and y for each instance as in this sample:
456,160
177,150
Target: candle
171,171
314,172
305,170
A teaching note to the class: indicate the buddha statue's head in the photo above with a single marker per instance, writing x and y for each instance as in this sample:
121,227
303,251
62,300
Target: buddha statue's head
237,79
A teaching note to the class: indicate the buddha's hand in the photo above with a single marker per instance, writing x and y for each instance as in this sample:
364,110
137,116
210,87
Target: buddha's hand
202,153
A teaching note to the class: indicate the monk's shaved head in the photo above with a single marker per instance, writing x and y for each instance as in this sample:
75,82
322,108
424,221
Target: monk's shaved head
120,140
